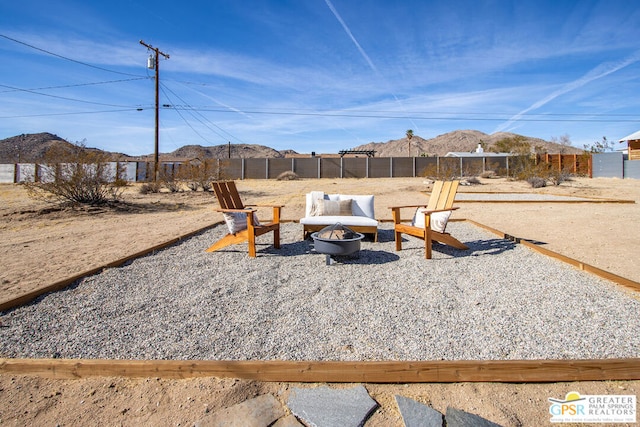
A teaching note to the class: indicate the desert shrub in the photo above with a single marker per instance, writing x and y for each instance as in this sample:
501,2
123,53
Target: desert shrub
197,175
77,175
171,184
558,177
150,187
448,169
537,182
488,174
288,176
472,180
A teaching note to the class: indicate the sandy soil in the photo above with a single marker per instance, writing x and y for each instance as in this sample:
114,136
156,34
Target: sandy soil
40,245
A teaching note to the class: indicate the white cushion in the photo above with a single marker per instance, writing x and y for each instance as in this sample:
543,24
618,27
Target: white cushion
438,220
344,220
237,221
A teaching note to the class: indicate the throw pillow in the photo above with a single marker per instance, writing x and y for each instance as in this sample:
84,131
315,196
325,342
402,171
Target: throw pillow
237,221
438,220
323,207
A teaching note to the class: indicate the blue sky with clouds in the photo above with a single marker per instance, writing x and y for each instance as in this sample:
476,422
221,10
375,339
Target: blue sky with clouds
318,75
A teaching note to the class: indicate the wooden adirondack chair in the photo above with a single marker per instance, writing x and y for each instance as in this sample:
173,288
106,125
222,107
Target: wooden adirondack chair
231,204
441,200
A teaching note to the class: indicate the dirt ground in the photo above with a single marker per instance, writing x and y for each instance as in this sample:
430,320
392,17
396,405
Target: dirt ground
40,245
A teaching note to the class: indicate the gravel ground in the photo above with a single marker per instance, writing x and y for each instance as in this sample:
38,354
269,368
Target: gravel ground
496,301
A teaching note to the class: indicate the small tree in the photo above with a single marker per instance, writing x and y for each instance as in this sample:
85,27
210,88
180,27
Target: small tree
599,146
563,140
77,175
409,137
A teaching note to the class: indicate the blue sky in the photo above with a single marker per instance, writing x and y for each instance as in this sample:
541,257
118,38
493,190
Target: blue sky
318,75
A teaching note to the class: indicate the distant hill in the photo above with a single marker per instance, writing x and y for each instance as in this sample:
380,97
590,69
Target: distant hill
33,147
224,151
457,141
30,147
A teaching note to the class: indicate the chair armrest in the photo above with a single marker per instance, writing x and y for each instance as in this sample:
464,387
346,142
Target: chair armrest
265,206
440,210
235,210
407,206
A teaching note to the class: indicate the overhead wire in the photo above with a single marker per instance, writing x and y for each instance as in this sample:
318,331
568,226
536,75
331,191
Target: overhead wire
193,112
66,98
65,57
77,85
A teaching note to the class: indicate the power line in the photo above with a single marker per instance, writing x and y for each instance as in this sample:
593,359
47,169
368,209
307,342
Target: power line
193,112
77,85
183,118
70,113
62,97
66,58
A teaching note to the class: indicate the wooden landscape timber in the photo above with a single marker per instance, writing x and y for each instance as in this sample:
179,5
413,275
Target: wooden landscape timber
438,371
622,281
388,372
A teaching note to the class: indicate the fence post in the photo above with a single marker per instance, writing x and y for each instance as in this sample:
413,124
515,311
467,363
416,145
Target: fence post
341,167
390,167
319,168
242,168
266,166
366,173
559,163
460,167
507,166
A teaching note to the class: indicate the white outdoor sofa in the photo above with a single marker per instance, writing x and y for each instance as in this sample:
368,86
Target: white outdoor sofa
354,211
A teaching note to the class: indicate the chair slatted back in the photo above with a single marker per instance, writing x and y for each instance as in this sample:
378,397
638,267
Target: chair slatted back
443,195
227,195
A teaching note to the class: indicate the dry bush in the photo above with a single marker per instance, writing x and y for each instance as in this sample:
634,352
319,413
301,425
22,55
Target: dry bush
288,176
198,175
77,175
488,174
537,182
150,187
448,169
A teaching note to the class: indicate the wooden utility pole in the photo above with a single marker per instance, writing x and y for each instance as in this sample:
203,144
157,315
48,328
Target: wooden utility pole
156,66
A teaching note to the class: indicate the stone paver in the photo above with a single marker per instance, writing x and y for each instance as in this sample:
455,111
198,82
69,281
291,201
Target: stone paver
327,407
261,411
458,418
416,414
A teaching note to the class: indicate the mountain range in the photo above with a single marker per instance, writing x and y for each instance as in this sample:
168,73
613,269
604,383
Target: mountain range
32,148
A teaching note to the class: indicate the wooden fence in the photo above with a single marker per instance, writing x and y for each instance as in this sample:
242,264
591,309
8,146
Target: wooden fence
321,167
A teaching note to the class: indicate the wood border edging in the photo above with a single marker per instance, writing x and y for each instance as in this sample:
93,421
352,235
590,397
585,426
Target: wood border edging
622,281
61,284
440,371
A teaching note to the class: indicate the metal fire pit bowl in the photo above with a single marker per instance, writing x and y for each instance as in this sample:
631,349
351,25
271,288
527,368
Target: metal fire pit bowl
336,240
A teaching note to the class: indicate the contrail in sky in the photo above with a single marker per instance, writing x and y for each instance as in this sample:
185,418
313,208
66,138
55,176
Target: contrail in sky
361,50
350,34
596,73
